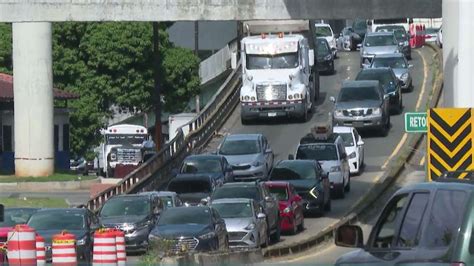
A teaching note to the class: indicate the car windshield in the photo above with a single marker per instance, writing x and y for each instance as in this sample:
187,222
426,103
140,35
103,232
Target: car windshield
125,139
393,62
236,192
190,186
126,206
280,193
347,138
58,220
201,165
379,40
349,94
185,216
323,48
239,147
277,61
323,31
384,77
293,170
13,217
234,210
318,152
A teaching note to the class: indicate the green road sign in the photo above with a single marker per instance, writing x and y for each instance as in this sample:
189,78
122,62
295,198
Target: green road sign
415,122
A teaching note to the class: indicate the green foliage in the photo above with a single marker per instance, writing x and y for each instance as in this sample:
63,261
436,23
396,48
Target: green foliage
6,48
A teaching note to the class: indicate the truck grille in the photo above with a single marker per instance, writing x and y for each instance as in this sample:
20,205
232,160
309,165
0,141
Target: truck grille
271,92
357,112
128,155
185,245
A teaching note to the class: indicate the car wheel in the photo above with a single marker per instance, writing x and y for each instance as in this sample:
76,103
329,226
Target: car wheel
347,188
411,88
385,128
304,115
333,69
400,106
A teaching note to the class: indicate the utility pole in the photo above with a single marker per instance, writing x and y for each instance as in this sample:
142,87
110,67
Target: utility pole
196,52
157,81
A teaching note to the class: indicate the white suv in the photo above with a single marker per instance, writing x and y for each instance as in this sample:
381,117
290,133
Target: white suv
354,147
325,31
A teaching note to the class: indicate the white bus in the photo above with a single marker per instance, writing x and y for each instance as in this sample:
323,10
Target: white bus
374,23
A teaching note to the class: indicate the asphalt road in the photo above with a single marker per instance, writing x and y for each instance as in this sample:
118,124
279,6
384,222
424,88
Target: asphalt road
283,135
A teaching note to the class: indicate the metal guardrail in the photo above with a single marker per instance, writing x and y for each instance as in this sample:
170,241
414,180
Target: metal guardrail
156,173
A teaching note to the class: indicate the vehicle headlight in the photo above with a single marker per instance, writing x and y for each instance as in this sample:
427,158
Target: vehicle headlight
287,209
328,57
251,226
152,237
365,53
377,111
207,235
314,192
128,227
82,241
404,76
335,169
338,113
257,163
113,156
352,155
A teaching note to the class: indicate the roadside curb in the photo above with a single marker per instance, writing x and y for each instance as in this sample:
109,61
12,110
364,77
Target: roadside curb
48,186
395,168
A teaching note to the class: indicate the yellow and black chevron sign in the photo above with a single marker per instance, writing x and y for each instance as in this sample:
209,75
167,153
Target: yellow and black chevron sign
450,140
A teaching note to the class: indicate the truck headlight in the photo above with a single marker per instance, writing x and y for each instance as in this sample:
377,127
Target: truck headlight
335,169
352,155
113,156
377,111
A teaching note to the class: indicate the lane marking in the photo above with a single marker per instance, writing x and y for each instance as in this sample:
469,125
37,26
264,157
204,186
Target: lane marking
418,103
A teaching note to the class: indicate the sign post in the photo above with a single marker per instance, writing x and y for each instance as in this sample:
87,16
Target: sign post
416,122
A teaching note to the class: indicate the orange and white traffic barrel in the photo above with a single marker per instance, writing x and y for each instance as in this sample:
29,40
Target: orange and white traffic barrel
40,251
120,246
21,245
64,249
105,249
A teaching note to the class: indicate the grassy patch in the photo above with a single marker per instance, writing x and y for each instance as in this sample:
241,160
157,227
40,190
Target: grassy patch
34,202
54,177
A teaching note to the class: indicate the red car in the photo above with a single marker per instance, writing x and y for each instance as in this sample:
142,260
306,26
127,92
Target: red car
291,206
13,216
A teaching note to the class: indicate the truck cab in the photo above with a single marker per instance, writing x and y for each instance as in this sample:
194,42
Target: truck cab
277,72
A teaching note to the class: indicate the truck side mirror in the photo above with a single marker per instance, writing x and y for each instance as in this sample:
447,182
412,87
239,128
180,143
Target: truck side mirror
311,57
233,60
349,236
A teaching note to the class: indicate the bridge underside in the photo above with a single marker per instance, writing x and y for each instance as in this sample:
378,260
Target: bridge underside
186,10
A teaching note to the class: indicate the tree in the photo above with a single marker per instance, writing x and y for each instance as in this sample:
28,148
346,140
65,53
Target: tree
6,48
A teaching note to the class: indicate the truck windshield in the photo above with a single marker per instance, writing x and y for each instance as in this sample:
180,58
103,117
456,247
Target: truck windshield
277,61
125,139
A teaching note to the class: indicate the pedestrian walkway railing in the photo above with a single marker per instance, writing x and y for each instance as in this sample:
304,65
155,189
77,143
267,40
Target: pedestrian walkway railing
156,172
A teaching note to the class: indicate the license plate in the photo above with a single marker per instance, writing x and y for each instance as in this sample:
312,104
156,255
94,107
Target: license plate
272,114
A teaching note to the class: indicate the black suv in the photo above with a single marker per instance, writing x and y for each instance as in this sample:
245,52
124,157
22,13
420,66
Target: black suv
423,223
258,192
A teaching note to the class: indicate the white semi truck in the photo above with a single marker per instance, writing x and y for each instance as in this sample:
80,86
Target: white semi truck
279,78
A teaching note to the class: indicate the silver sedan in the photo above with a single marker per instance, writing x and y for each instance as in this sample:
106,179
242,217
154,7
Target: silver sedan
245,223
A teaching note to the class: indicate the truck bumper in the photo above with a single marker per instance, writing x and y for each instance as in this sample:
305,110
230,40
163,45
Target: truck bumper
272,109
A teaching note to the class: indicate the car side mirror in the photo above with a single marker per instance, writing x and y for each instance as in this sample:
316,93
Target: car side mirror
350,236
261,216
268,150
291,157
360,143
410,66
386,96
311,57
233,60
359,45
332,99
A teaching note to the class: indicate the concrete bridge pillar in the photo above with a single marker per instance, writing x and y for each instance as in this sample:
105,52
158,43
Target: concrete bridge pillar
33,98
458,53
